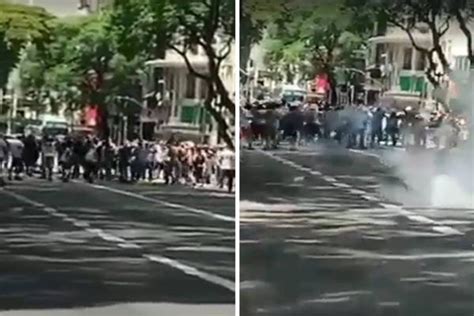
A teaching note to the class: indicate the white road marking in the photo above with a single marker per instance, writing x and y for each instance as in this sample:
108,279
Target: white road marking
192,271
168,204
122,243
435,226
341,185
201,194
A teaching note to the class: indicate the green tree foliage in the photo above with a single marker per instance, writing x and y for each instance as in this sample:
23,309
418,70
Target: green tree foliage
139,28
20,25
255,16
322,33
91,60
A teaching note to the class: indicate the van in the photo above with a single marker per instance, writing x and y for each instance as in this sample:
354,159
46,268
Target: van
52,125
293,94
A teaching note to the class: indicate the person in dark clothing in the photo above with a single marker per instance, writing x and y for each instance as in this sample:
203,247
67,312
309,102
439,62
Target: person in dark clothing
392,128
170,165
311,127
198,166
30,153
376,132
124,157
91,162
292,124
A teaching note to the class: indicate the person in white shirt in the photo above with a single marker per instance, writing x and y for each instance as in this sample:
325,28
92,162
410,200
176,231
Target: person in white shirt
48,149
16,151
226,159
160,156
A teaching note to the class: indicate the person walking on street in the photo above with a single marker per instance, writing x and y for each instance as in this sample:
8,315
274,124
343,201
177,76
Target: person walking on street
392,129
376,133
227,167
3,159
16,148
91,161
48,150
31,153
66,161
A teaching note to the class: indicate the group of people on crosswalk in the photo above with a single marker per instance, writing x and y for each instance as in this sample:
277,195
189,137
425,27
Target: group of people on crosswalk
354,126
94,159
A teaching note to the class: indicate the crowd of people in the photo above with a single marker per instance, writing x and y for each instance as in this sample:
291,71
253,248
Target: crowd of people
353,126
93,159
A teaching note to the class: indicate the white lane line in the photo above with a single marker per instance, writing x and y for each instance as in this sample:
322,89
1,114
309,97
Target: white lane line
122,243
435,226
192,271
168,204
341,185
329,179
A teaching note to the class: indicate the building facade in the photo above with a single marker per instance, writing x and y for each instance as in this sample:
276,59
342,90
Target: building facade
401,79
180,96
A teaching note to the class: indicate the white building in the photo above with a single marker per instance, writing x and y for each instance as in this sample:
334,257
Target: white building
182,109
403,79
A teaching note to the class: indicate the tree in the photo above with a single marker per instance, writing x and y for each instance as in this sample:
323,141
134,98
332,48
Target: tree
463,12
210,26
416,17
20,25
32,76
255,16
322,33
90,54
139,28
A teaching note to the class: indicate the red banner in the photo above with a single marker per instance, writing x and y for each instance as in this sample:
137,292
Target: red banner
322,84
91,116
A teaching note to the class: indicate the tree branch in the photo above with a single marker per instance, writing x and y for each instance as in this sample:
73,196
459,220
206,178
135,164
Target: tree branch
467,32
225,50
410,35
190,67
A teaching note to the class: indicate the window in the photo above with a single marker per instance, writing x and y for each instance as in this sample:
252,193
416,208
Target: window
170,80
461,63
420,61
407,56
379,53
204,89
190,86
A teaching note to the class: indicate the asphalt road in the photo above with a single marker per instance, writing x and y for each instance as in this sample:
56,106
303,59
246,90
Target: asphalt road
77,245
327,231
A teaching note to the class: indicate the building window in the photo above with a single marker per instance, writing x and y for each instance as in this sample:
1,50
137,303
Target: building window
204,89
420,61
190,86
461,63
407,56
379,53
170,76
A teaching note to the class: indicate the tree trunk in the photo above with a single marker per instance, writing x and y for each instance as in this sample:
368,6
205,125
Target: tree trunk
245,51
333,87
223,127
